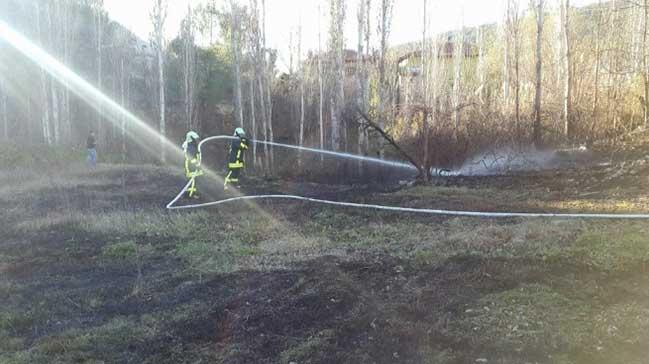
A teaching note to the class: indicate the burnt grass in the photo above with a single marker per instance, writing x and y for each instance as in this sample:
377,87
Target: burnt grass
71,293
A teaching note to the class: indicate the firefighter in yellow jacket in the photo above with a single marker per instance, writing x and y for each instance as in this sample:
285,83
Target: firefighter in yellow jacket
235,159
192,161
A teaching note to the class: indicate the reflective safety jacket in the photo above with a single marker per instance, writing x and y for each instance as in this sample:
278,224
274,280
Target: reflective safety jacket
238,147
192,159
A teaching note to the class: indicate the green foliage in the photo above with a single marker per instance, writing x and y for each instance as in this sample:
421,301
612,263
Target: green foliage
205,258
526,317
122,251
19,321
311,347
615,247
96,345
614,250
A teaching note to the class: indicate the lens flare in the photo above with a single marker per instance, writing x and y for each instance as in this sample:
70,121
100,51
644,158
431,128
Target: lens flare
138,130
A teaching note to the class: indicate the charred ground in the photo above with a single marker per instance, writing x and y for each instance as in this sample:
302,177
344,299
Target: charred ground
94,270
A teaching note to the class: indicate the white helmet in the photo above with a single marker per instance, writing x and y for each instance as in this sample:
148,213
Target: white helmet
239,132
191,136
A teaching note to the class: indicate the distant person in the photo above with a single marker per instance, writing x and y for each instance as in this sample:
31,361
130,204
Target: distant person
91,146
192,161
235,159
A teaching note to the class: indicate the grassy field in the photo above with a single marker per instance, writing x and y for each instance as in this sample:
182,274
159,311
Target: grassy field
94,270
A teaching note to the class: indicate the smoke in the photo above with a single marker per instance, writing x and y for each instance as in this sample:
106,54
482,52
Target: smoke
509,160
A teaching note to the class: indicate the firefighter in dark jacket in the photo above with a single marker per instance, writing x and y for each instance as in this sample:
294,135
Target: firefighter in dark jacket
192,161
235,159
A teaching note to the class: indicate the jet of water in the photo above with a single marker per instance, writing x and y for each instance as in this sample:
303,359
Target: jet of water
389,163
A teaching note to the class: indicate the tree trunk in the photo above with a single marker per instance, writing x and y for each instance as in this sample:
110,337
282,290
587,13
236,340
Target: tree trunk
302,115
320,87
458,56
236,63
384,31
122,92
98,61
360,80
567,96
66,113
5,111
53,85
269,100
516,39
539,75
264,121
302,75
561,44
253,118
598,60
506,60
645,62
45,104
268,71
481,65
161,88
159,18
337,48
189,68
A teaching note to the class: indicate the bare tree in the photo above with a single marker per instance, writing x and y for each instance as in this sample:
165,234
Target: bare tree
253,117
54,86
513,27
506,58
259,54
567,96
124,82
235,34
5,111
645,63
159,17
425,79
99,34
302,75
481,68
45,101
337,49
320,86
268,79
69,15
458,57
361,73
598,63
385,22
539,69
189,65
560,45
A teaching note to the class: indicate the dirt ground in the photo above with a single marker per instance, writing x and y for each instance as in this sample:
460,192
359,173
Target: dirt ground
94,270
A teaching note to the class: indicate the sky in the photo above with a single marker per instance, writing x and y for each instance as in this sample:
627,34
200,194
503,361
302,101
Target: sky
285,17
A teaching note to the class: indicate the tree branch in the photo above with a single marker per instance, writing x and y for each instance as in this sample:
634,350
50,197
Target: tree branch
390,140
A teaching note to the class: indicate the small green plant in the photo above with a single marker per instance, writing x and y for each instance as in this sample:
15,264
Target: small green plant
307,349
609,247
123,251
424,257
205,258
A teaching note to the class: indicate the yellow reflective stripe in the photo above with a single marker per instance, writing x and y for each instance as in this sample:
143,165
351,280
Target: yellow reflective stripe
236,165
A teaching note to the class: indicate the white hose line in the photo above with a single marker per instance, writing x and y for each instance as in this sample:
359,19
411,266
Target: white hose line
415,210
171,206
